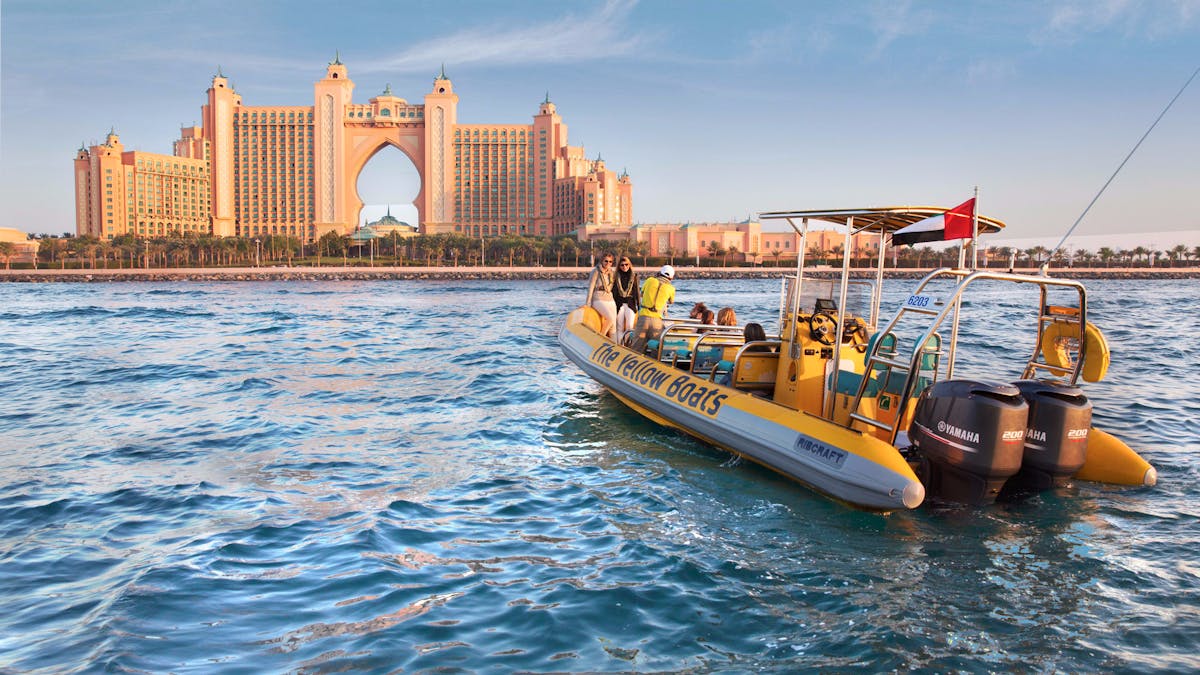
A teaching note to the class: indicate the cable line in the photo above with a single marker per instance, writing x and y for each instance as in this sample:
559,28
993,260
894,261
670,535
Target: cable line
1046,264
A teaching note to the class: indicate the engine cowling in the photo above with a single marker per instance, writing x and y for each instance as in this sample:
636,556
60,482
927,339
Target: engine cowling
1055,435
970,435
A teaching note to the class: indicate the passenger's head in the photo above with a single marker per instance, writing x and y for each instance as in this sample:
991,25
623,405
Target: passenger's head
697,309
624,264
726,317
754,332
707,317
667,272
606,261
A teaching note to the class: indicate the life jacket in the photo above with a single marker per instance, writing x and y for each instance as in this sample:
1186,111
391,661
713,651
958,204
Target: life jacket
657,293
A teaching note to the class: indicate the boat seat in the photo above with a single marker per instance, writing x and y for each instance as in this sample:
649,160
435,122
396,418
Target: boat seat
848,381
887,346
755,371
707,358
722,369
673,351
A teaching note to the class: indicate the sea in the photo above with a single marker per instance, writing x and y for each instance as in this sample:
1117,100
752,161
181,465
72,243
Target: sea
409,476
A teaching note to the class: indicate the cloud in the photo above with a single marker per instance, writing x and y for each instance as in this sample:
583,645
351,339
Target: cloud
1074,19
890,21
983,71
604,34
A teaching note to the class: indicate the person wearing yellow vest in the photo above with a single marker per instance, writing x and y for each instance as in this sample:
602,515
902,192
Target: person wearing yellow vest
657,293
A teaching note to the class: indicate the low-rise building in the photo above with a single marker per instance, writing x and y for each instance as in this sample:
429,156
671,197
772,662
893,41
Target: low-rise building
20,249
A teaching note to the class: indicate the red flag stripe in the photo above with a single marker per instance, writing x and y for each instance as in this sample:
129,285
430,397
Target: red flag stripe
960,221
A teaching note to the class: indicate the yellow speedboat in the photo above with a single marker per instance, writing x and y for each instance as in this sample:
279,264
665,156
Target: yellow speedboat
876,416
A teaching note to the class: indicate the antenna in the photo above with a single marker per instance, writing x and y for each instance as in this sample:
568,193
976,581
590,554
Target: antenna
1046,265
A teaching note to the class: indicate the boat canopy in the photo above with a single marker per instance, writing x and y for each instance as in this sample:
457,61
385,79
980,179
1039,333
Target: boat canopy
881,220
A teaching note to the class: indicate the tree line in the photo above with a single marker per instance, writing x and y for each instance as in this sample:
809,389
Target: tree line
194,250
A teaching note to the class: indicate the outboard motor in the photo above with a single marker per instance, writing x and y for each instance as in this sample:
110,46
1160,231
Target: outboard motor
970,435
1055,436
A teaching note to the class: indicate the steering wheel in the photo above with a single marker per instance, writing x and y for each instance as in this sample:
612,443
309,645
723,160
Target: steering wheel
822,327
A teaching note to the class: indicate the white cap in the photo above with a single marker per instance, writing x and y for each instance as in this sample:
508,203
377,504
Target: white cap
667,271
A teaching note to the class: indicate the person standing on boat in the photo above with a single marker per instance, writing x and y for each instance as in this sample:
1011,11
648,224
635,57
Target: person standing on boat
600,293
625,293
657,293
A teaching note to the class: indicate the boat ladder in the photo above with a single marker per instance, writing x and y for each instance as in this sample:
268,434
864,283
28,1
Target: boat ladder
883,361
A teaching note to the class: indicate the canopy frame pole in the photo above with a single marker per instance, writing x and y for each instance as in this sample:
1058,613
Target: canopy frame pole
841,318
975,232
794,352
877,292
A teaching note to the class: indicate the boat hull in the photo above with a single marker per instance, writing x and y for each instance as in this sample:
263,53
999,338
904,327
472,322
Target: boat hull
845,464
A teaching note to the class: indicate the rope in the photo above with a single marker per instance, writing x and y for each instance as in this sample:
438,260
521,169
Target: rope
1046,264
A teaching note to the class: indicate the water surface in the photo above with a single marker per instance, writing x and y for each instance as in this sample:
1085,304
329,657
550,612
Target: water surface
379,476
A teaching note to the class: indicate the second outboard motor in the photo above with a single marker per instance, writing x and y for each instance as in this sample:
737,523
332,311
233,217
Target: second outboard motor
1055,437
970,435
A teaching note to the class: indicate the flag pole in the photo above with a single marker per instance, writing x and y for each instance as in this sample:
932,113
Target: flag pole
975,232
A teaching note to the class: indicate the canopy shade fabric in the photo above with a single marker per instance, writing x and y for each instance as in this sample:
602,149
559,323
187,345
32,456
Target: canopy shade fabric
887,219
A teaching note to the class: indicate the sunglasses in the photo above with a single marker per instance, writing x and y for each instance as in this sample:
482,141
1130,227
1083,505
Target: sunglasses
608,261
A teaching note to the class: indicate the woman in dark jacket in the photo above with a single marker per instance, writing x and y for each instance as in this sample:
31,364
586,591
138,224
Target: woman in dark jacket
625,294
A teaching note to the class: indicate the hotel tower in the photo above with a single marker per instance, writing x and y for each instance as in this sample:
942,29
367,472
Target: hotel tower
292,170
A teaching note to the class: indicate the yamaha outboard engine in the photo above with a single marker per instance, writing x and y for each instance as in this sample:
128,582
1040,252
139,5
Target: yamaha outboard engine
970,435
1055,436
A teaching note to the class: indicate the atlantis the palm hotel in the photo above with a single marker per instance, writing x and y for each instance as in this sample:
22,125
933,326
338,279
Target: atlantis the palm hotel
251,171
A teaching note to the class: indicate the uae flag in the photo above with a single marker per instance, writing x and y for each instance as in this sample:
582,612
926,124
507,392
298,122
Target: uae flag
957,223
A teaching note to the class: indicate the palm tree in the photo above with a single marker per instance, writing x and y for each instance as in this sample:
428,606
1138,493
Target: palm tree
56,247
838,252
566,245
671,253
1037,254
776,252
105,248
7,249
1179,252
537,246
815,251
1005,252
641,248
1141,251
715,249
732,250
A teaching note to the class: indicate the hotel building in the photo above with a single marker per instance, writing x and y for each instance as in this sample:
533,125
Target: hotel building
743,241
293,170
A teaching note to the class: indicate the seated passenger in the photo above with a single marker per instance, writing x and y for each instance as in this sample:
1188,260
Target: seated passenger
697,309
726,317
754,332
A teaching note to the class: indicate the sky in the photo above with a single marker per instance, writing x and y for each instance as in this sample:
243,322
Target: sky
718,110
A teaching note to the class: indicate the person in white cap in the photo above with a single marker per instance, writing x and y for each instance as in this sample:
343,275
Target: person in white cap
657,293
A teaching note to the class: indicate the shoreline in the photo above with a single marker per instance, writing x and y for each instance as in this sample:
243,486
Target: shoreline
338,273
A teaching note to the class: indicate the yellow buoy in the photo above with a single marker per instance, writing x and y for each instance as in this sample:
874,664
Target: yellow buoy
1056,343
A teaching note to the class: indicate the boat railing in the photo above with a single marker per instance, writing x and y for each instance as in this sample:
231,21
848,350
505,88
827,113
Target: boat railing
676,342
921,304
755,366
714,347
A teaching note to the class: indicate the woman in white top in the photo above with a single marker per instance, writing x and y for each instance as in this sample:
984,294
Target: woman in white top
600,294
